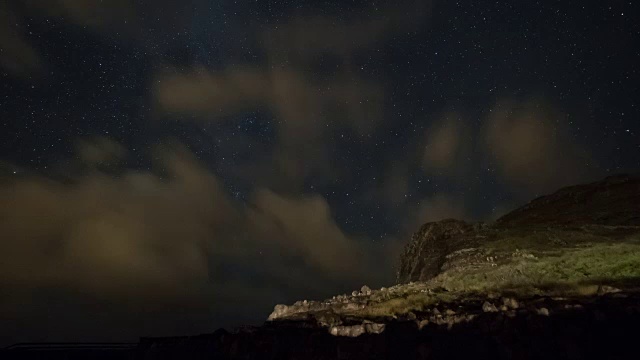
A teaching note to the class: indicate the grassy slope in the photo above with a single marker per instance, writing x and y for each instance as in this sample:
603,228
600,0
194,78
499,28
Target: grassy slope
552,263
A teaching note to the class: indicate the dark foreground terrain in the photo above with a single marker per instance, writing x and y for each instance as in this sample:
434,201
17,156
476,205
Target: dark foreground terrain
556,279
599,328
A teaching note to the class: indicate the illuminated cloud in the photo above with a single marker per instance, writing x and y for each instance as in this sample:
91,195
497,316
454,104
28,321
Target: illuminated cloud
444,145
305,229
530,147
307,108
301,105
150,241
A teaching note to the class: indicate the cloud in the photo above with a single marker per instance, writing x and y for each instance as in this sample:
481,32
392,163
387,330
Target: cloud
308,35
306,229
444,145
100,151
299,103
17,54
308,108
20,57
394,187
530,148
110,234
154,242
306,112
202,92
101,15
438,207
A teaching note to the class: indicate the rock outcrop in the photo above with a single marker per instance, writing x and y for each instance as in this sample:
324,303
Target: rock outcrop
425,254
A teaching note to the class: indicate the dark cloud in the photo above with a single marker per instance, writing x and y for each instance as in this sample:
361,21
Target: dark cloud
119,19
99,15
438,207
306,111
525,144
17,54
100,151
306,36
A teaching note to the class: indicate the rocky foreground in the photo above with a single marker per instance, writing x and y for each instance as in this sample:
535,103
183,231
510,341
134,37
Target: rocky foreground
579,243
557,278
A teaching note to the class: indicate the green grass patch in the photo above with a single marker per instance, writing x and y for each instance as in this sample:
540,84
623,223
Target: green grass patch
569,271
598,263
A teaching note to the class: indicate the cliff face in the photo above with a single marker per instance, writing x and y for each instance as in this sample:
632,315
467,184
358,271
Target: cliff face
425,253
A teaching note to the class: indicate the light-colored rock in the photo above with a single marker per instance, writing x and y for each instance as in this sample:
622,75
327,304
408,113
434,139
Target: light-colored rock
352,306
350,331
278,311
489,307
510,303
543,311
422,323
373,328
333,330
606,289
365,290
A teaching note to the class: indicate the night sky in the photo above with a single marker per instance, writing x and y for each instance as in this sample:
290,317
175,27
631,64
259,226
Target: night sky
171,167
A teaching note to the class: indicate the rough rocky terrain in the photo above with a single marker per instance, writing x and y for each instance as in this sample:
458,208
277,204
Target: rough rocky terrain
556,278
579,242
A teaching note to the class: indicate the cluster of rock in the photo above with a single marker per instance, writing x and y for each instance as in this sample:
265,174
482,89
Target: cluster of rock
357,300
602,327
367,327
